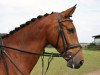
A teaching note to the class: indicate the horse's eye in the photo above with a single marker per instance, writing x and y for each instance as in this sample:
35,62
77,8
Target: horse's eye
70,30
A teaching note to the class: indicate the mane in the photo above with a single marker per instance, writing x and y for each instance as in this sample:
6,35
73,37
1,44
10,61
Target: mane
26,24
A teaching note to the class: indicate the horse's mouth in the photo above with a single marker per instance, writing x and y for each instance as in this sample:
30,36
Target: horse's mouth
75,65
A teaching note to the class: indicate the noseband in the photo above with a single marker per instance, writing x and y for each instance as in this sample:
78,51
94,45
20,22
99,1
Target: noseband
63,37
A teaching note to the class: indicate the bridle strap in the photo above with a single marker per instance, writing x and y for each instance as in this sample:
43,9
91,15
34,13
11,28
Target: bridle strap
32,53
74,46
13,62
61,33
63,37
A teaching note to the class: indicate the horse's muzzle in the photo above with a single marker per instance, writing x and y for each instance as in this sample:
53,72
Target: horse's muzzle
75,65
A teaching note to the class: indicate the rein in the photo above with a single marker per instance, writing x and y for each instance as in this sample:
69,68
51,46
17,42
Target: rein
51,55
32,53
4,53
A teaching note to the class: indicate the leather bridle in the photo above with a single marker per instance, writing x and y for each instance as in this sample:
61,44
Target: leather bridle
60,34
63,37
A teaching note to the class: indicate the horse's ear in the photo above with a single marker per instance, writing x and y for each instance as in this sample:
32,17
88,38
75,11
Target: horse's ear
69,12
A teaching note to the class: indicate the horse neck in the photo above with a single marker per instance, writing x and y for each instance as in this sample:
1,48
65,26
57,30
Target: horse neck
31,38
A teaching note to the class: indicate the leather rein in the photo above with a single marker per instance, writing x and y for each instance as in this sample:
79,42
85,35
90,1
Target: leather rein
51,55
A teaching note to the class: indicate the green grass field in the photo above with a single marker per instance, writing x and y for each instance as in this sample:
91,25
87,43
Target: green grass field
58,65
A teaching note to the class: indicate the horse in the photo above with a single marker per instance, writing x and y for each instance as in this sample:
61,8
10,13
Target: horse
32,37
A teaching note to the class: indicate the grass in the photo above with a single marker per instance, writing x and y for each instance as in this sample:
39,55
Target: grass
58,65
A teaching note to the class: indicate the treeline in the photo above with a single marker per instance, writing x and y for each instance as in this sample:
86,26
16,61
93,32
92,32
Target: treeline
93,46
2,34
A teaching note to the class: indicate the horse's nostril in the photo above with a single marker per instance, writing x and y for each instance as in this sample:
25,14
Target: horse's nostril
81,62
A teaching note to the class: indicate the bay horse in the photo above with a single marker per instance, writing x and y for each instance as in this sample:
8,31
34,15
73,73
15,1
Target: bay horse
56,29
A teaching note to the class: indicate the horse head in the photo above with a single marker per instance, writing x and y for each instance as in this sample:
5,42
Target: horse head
61,33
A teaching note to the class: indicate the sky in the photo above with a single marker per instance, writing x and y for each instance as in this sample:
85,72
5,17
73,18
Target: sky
86,17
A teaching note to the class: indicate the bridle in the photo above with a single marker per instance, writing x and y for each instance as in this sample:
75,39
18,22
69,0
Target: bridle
63,37
51,55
